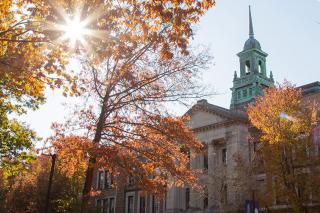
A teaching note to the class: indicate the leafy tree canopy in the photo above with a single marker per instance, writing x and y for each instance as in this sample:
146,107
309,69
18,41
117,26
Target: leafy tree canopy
16,141
288,155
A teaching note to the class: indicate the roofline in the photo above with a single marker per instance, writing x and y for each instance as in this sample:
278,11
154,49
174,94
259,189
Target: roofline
224,112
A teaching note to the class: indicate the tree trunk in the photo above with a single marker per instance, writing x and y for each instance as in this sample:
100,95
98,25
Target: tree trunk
87,186
92,160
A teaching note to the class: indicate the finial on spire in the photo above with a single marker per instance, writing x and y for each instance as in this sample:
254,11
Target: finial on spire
251,34
271,76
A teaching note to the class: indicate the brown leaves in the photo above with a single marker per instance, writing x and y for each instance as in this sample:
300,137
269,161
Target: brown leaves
152,149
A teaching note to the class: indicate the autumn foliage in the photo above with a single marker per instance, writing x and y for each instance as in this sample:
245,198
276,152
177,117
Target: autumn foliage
28,189
134,60
288,153
30,60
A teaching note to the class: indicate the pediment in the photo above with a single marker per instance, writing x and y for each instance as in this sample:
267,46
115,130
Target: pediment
202,118
203,114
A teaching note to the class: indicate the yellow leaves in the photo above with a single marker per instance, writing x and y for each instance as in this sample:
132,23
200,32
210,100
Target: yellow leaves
285,123
132,22
29,59
280,115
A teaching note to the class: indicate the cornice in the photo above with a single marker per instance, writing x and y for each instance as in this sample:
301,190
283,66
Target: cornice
218,125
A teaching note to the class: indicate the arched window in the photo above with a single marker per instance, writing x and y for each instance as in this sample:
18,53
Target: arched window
260,66
247,67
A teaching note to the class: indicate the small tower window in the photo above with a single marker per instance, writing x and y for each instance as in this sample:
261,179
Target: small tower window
244,93
247,67
239,95
250,91
260,66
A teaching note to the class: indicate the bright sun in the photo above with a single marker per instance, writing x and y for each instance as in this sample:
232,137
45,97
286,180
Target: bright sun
74,31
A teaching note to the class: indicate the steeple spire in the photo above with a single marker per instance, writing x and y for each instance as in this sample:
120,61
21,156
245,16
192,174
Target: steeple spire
253,72
251,34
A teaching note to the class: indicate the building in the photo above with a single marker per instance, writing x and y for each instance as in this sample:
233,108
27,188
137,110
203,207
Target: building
225,133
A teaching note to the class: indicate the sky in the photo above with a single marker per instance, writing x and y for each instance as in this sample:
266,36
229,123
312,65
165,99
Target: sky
288,30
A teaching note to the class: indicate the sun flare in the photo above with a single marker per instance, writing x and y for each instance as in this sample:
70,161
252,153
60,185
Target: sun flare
74,31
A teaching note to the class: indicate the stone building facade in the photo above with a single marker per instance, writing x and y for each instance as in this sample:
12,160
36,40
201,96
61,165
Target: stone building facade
225,133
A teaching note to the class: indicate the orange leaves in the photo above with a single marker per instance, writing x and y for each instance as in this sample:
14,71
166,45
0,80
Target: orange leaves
280,115
135,61
72,154
165,52
32,52
153,148
28,56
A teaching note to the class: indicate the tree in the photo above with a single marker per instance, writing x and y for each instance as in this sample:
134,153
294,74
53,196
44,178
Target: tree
136,59
30,59
286,124
34,50
15,142
29,186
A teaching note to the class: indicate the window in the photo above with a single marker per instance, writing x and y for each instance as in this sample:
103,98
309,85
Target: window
108,180
112,205
316,139
244,93
225,194
247,65
100,179
142,204
224,156
130,180
260,66
155,204
239,94
98,205
189,158
250,91
205,199
104,180
130,204
187,198
106,205
205,157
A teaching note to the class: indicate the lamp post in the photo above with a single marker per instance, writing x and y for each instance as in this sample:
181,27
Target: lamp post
53,162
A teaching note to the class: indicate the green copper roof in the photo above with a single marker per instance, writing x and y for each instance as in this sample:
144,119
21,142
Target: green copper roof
251,34
253,73
251,43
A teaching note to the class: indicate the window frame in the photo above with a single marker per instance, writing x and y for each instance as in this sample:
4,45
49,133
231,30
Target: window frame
130,194
100,179
144,196
108,180
224,156
155,204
